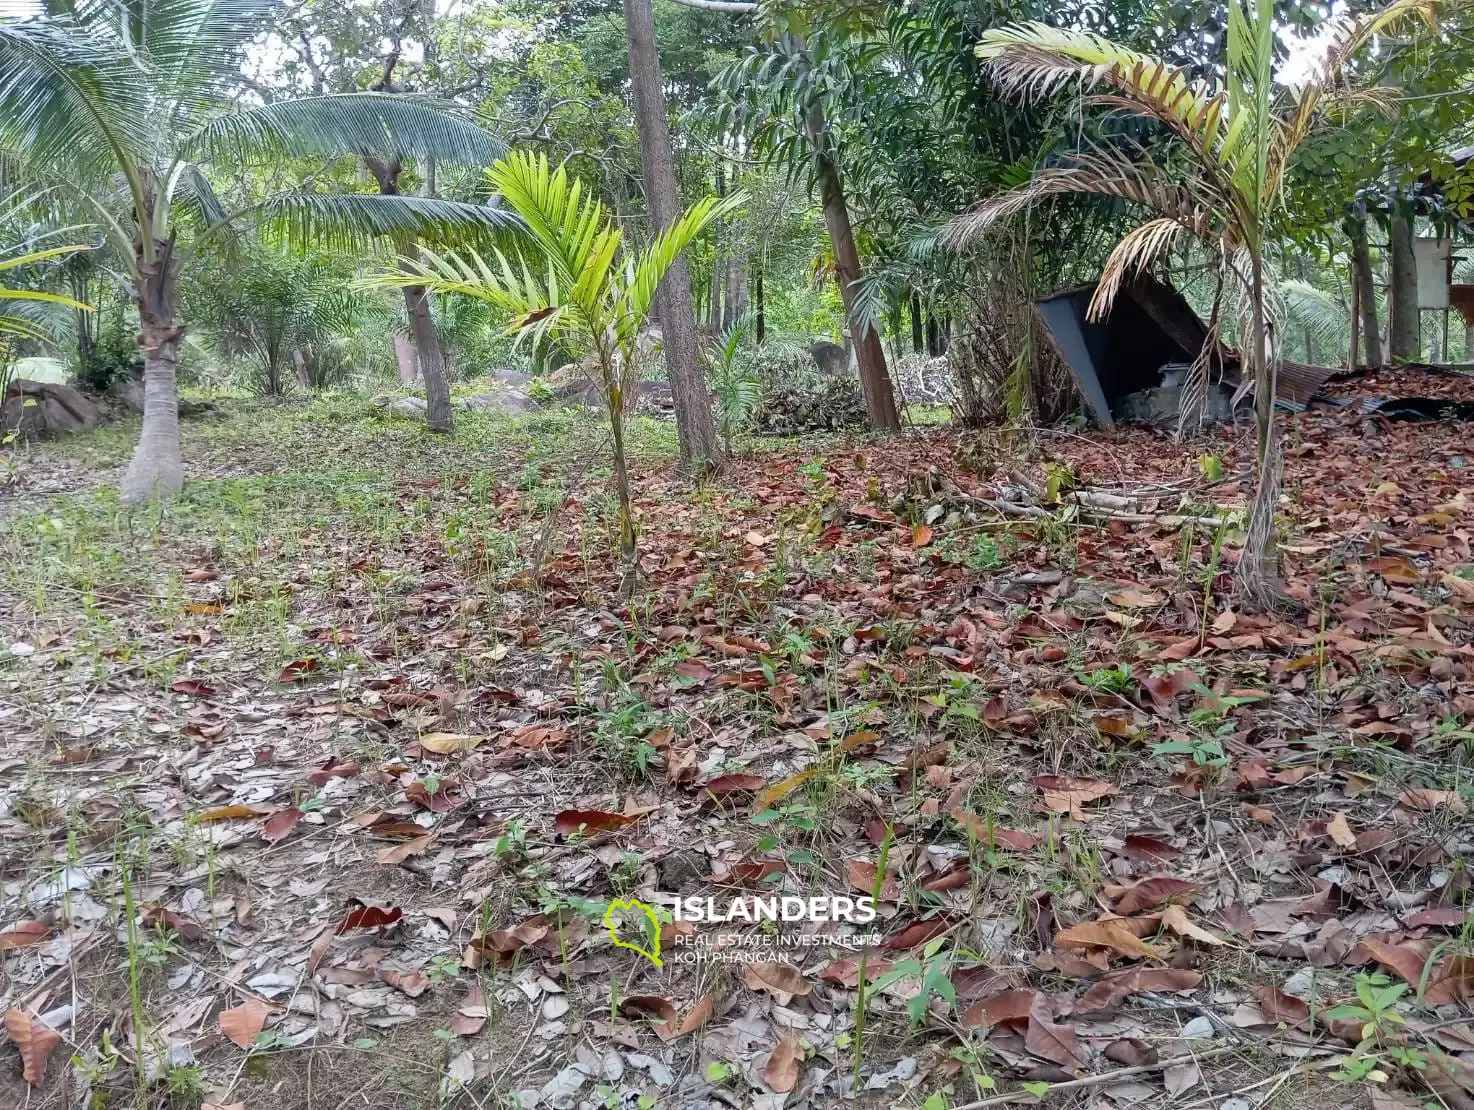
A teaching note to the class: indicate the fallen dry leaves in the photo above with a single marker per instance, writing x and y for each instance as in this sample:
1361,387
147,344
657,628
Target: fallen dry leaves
34,1040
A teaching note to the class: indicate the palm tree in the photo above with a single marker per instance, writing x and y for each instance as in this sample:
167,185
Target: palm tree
116,106
574,286
1231,142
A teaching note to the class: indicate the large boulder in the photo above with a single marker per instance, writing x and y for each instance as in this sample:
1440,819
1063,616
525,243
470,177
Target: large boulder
45,409
507,402
408,408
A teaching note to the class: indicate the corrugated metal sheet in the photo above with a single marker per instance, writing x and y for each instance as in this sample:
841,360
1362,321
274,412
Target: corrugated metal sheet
1299,382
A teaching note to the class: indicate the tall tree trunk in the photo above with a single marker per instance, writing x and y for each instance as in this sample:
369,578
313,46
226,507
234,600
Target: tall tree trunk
438,413
917,326
715,316
875,379
157,469
736,290
431,365
694,426
1366,293
1404,339
761,329
1258,572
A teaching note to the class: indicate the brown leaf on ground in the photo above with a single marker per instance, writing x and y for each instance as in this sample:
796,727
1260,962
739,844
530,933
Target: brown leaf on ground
299,669
1451,981
156,916
243,1023
1110,933
695,1018
448,743
1405,960
280,824
919,933
1056,1043
1426,801
471,1015
1142,846
862,877
782,981
649,1006
1131,1051
846,972
396,854
589,822
1278,1006
412,983
1175,918
1136,980
369,917
785,1063
723,785
1339,830
1441,917
24,933
1152,892
1005,1008
35,1040
1068,793
994,836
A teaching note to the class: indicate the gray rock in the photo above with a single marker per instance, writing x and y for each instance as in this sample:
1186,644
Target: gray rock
408,408
43,410
508,402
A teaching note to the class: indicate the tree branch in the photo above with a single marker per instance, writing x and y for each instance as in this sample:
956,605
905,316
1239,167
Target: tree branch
727,6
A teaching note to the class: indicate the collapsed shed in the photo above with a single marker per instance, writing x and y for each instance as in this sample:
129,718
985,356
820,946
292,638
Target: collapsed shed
1131,364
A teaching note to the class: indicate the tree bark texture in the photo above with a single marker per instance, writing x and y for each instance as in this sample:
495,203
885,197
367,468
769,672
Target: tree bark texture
430,363
875,380
695,429
1404,338
1366,293
157,469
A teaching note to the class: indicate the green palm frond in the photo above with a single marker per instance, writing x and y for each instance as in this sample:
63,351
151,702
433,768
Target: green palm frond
33,313
191,46
383,124
663,251
354,221
1317,312
568,226
70,100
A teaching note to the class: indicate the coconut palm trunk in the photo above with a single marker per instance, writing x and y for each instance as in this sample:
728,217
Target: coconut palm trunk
157,469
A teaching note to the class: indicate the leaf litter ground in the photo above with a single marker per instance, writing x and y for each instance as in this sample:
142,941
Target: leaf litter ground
318,785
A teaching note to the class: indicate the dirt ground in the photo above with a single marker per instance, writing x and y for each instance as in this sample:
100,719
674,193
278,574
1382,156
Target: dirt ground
316,788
